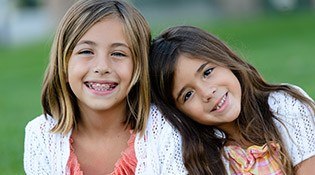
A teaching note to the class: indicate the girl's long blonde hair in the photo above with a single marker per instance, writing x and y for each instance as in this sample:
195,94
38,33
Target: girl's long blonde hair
58,100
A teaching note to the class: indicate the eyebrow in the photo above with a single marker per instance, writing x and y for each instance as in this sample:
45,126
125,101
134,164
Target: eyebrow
120,44
92,43
202,67
197,72
86,42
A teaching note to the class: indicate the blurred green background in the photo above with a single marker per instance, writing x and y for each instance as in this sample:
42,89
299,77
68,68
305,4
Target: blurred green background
280,43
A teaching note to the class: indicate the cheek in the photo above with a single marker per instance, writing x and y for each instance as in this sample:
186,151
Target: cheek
125,71
238,89
193,110
76,73
69,75
72,72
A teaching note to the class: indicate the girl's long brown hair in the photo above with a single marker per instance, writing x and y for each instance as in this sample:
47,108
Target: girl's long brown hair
201,144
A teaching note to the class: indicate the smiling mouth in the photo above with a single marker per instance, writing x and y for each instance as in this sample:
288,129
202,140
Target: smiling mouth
101,86
219,105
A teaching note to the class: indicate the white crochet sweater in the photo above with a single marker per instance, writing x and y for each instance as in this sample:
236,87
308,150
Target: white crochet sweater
298,128
158,152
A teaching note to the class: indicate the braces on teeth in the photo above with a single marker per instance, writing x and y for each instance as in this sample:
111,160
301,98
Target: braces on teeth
99,87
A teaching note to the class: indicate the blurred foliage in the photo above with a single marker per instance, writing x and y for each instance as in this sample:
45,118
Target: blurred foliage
21,72
29,3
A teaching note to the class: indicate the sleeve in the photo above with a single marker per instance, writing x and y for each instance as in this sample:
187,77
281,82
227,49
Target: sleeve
159,150
296,124
35,159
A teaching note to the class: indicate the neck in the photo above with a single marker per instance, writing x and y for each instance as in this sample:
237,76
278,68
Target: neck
107,122
234,135
230,129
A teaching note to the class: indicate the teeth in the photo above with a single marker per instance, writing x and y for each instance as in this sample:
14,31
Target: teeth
99,86
221,102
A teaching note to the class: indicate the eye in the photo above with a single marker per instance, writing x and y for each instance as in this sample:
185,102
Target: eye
118,54
187,96
207,72
85,52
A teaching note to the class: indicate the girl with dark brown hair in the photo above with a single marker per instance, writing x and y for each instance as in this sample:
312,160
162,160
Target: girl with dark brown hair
232,121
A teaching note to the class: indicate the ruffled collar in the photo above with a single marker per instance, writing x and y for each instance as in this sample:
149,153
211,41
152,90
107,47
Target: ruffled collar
253,160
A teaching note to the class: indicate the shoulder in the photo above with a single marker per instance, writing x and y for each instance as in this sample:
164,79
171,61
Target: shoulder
158,150
282,103
38,132
45,152
41,124
295,122
158,127
157,121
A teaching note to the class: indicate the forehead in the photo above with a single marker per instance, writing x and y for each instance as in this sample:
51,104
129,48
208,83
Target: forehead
107,26
185,71
186,65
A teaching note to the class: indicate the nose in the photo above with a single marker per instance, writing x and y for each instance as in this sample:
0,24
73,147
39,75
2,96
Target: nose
102,65
207,93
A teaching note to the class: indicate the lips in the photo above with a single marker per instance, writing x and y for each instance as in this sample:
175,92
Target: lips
101,86
220,103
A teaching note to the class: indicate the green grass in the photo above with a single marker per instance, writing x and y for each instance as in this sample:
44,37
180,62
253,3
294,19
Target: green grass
281,47
21,75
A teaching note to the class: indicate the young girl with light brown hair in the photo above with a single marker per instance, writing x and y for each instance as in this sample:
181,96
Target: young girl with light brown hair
97,114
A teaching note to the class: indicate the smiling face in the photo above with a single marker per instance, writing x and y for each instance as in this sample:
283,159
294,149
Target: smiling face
208,93
100,67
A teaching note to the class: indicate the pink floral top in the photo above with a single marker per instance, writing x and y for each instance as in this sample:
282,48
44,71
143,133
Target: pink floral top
126,165
253,160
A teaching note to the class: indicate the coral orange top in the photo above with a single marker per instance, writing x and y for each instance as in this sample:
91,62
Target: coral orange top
126,165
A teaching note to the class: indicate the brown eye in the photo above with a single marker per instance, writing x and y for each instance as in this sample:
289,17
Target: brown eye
187,96
207,72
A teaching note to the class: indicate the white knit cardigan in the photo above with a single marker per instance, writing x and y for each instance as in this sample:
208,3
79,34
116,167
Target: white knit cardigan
298,124
158,151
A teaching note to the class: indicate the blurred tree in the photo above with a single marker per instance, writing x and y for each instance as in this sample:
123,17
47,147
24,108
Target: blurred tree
288,5
28,3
